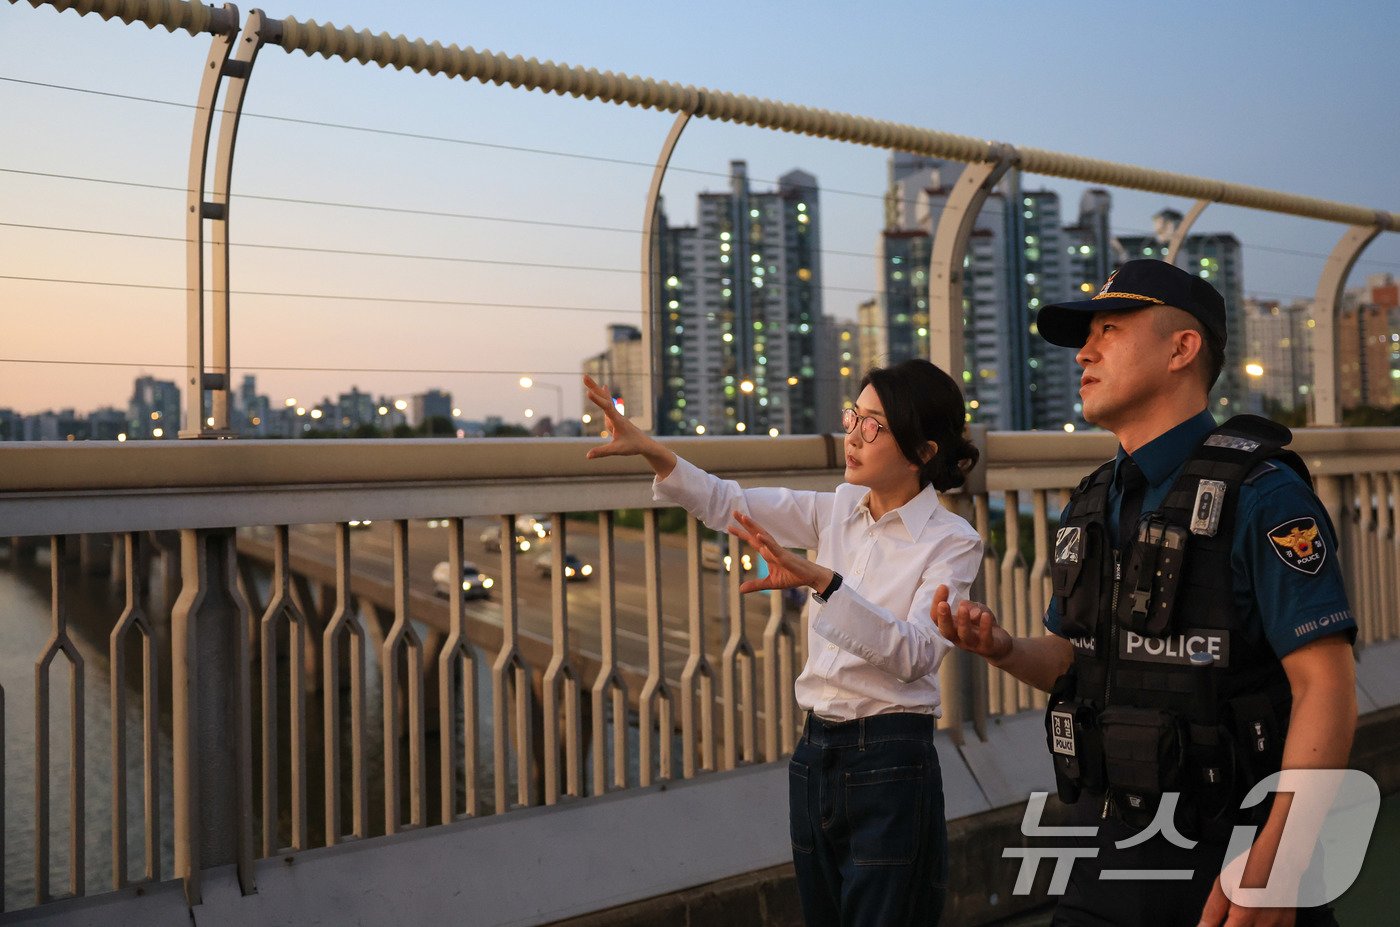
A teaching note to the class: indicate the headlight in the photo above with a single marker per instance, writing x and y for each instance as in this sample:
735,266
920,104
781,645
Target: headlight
588,569
487,583
466,585
539,529
568,571
748,562
524,545
727,561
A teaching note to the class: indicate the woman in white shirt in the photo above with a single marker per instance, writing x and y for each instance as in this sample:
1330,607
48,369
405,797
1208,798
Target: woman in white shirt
866,794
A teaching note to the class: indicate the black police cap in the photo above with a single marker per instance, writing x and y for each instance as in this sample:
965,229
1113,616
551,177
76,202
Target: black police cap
1136,285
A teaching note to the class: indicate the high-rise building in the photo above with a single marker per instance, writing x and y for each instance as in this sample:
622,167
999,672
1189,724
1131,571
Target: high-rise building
425,406
1277,354
899,329
11,425
741,310
355,408
154,410
839,346
252,412
1017,260
63,425
1368,344
619,368
106,424
870,329
1214,256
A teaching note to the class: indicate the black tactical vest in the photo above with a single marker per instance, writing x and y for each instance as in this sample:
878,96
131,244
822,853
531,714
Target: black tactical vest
1169,690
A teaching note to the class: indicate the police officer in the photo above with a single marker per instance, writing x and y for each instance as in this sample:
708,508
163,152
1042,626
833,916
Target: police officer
1199,633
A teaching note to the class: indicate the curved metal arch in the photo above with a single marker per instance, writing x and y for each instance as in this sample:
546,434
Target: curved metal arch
197,379
651,280
1327,386
949,248
1183,229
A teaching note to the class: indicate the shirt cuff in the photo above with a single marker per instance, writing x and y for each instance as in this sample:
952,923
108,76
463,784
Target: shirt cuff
681,485
854,625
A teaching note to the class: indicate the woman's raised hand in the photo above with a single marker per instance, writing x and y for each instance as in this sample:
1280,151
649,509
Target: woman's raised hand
624,438
786,569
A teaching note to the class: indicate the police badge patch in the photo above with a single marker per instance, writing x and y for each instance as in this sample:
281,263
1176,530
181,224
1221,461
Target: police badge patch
1299,544
1069,545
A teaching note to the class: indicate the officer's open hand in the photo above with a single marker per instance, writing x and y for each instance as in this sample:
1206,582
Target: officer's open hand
972,627
1221,912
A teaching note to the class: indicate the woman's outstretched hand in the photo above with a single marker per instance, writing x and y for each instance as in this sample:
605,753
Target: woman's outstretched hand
624,438
786,570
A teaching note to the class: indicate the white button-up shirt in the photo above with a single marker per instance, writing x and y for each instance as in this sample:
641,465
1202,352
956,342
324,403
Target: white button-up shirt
873,647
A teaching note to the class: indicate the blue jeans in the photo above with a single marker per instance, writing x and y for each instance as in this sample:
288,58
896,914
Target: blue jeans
869,840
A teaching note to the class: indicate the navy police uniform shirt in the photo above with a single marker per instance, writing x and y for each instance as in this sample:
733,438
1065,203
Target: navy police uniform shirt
1286,576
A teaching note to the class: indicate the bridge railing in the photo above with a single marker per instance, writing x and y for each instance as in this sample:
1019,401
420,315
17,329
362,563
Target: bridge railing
320,691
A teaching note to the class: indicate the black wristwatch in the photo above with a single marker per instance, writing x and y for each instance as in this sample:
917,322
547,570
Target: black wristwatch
830,588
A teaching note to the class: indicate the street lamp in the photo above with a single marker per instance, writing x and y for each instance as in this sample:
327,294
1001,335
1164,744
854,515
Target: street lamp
531,383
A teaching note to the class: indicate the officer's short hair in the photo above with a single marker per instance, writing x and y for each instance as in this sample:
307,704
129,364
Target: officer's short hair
1171,319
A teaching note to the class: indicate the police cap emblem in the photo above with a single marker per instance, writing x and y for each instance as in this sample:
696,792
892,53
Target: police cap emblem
1299,544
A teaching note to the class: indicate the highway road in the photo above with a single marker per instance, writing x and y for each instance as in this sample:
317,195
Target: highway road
372,557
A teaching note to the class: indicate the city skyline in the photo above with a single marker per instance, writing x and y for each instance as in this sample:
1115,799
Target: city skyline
446,264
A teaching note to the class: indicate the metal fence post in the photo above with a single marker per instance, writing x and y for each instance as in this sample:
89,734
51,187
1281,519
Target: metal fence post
211,691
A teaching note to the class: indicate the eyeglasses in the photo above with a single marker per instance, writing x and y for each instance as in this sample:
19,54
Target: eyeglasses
869,428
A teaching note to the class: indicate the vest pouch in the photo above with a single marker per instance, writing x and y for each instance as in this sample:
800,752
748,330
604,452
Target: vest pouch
1258,738
1073,736
1143,757
1152,575
1081,578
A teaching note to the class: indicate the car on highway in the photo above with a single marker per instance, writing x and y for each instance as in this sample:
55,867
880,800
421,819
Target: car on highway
491,539
475,584
536,526
575,570
715,552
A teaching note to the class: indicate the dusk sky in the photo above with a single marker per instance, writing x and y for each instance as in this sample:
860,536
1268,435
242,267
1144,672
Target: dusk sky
1296,97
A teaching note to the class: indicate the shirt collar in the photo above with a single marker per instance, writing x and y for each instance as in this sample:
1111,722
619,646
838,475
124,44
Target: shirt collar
1164,454
914,514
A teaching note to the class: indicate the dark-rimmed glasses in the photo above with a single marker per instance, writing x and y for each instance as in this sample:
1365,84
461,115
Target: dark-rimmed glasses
869,428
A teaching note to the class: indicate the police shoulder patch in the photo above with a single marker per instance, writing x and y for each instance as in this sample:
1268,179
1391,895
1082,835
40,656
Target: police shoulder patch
1298,543
1069,544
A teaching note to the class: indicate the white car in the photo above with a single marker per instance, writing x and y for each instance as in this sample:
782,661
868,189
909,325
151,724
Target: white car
533,526
475,584
491,539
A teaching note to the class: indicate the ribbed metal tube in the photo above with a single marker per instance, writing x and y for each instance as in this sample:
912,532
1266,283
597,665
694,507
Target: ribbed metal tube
331,41
400,52
172,15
